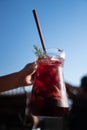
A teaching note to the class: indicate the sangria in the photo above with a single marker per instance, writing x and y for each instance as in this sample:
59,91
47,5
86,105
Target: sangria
48,96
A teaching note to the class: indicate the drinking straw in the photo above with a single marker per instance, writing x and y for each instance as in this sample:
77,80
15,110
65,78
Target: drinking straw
39,30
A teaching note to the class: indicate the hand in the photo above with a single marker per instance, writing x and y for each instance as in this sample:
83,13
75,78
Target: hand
21,78
27,74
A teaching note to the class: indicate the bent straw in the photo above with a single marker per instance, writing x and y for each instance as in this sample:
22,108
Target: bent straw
39,30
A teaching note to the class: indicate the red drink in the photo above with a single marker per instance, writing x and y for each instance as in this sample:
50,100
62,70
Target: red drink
48,97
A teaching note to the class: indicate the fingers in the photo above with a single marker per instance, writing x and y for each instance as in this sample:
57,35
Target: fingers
29,73
30,68
33,68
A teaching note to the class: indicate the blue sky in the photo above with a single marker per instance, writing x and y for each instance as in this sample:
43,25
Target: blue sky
63,24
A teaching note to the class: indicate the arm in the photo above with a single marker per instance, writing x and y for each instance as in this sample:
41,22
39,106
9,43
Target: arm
21,78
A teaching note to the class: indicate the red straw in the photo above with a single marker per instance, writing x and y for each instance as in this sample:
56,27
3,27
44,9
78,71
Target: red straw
39,30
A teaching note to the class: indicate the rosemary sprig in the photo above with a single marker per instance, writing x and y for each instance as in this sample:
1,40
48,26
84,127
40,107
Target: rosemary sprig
38,52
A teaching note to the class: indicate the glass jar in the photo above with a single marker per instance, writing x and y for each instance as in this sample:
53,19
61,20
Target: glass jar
48,96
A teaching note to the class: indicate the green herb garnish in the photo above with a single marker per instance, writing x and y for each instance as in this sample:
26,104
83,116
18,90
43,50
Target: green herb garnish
38,52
